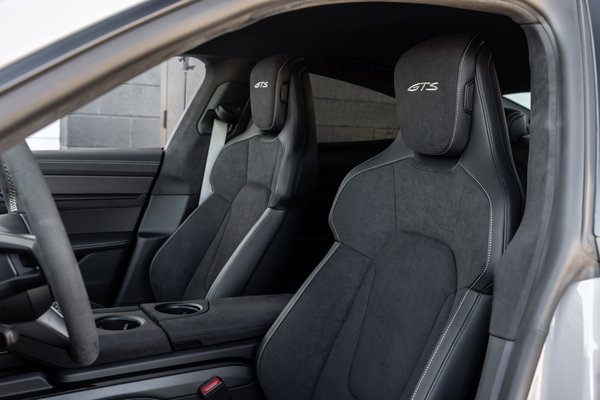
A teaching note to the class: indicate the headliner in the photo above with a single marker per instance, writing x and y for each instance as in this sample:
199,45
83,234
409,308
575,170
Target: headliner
361,42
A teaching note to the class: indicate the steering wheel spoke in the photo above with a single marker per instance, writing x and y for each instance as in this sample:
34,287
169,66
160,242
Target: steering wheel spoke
18,243
19,258
18,284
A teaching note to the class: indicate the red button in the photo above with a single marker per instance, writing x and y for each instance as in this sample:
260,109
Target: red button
211,385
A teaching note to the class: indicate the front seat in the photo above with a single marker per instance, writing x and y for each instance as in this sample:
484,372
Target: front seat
237,241
400,306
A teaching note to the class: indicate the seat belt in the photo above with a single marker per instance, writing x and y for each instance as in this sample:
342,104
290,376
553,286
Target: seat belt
217,141
223,118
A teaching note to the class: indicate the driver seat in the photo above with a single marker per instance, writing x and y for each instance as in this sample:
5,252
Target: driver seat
400,306
238,240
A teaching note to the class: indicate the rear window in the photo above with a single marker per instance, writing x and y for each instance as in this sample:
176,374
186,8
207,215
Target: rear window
523,99
349,113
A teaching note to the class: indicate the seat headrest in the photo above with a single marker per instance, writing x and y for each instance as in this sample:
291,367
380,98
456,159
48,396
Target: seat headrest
434,94
269,90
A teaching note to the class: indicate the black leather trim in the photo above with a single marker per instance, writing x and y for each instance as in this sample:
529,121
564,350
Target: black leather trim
288,308
297,172
498,178
100,162
450,370
518,125
239,268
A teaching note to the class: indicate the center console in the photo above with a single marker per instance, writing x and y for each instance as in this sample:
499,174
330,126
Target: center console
131,333
158,328
186,341
218,321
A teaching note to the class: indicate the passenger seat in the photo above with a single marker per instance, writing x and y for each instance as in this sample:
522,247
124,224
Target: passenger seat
236,242
399,308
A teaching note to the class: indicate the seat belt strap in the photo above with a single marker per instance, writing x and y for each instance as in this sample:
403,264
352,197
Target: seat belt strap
217,142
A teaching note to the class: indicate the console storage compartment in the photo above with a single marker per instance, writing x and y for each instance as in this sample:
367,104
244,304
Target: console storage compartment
119,323
220,321
128,334
181,308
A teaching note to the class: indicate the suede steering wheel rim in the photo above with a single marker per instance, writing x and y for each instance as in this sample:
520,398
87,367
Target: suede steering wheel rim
26,191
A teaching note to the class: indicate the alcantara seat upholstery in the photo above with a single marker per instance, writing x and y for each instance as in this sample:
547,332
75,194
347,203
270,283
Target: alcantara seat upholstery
399,307
237,241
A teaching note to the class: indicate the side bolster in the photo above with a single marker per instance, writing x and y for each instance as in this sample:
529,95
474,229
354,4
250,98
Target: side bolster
291,304
459,353
295,349
236,273
175,262
297,172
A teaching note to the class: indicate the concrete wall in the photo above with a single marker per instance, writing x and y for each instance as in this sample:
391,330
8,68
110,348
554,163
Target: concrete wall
139,113
179,90
144,111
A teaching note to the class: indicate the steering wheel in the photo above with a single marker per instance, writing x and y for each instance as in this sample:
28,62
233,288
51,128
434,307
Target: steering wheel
25,189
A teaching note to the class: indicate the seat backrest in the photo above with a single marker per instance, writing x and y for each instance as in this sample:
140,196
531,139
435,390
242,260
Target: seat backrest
237,240
399,307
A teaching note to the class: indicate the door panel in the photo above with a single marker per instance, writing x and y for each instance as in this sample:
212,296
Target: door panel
100,194
106,162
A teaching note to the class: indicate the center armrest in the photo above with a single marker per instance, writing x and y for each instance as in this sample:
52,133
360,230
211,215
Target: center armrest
220,320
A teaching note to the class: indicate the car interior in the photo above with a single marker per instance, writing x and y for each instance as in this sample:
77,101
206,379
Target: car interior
270,250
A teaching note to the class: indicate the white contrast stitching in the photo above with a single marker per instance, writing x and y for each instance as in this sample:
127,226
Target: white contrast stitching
351,176
218,282
487,263
460,334
288,308
488,127
458,86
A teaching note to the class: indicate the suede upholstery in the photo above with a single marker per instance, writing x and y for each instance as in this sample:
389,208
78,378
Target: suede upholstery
236,241
399,307
226,320
436,103
269,89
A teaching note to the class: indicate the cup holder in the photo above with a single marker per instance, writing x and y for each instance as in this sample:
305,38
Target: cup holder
179,308
118,323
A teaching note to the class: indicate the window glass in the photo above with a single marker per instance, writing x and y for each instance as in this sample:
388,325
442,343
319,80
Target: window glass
142,112
523,99
345,112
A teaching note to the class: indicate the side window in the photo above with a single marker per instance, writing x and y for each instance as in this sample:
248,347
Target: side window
346,113
142,112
